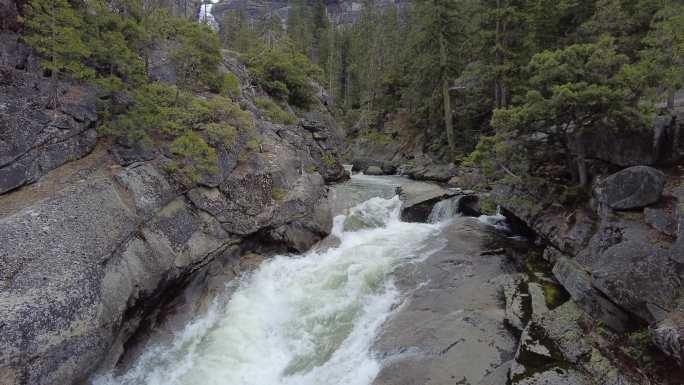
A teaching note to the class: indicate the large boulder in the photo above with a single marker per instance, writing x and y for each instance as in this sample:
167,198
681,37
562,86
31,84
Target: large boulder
577,282
419,198
636,277
631,188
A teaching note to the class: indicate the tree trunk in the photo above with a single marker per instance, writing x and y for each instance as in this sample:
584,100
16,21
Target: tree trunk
497,59
448,114
671,100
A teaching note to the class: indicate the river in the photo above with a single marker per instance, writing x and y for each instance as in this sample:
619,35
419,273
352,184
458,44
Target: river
303,319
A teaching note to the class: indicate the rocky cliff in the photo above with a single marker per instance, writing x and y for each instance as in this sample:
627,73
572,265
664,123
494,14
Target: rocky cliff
341,12
93,235
618,255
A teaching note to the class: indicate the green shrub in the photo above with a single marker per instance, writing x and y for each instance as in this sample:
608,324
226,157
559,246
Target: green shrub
192,157
487,205
274,112
220,133
226,84
377,137
278,194
640,346
328,160
285,74
232,85
167,115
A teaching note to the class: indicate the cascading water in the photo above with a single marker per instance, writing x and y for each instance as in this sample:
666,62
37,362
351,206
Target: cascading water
497,220
206,16
299,320
445,209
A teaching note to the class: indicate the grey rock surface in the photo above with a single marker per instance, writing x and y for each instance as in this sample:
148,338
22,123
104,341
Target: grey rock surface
555,348
631,188
518,303
55,324
661,219
450,329
635,276
669,334
577,282
35,139
419,198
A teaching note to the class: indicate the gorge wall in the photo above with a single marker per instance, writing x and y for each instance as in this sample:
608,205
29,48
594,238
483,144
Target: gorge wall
94,235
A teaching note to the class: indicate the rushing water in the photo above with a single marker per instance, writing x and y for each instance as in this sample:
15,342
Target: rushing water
300,320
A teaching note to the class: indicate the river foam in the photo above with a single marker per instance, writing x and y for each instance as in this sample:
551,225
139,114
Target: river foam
297,320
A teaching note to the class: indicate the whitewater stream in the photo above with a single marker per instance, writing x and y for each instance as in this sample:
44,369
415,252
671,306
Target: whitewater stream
206,15
302,319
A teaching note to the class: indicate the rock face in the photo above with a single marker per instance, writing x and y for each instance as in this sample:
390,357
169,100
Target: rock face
116,240
631,188
659,144
340,11
555,349
35,139
88,252
621,263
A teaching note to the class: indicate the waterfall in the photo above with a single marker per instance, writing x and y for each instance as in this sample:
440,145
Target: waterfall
206,16
497,220
298,320
445,209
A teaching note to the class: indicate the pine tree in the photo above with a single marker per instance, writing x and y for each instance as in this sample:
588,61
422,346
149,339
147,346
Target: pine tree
663,55
299,26
53,29
197,55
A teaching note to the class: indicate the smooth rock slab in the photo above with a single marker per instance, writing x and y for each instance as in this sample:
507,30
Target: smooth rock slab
451,329
54,327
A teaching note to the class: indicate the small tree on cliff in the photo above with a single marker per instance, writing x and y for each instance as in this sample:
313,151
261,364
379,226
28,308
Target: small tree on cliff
571,90
53,29
197,54
663,57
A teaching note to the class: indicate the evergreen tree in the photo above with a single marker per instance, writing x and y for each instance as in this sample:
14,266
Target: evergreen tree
299,26
197,55
570,90
663,56
53,29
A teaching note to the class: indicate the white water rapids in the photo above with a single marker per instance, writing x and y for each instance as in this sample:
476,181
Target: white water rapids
299,320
